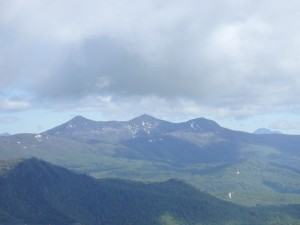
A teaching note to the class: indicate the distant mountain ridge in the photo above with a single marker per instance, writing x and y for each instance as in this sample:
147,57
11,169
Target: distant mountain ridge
143,125
265,131
198,151
204,139
4,134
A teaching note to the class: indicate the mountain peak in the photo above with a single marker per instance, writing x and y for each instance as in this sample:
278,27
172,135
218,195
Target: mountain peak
79,118
80,121
203,124
38,171
144,117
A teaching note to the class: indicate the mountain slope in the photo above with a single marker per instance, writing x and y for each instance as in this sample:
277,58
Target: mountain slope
199,151
36,192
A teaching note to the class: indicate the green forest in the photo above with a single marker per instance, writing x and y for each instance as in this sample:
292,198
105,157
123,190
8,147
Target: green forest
36,192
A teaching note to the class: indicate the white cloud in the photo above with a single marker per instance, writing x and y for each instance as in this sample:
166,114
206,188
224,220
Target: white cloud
228,58
285,125
13,105
8,119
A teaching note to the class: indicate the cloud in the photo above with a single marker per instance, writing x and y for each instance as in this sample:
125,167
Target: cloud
231,58
285,125
15,102
8,119
13,105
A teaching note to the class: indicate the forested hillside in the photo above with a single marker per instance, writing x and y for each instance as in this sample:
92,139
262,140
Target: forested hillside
36,192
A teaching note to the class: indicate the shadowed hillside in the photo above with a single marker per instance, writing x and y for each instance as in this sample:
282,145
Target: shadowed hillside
36,192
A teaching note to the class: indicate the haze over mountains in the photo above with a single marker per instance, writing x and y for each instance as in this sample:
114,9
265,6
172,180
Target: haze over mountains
265,131
212,158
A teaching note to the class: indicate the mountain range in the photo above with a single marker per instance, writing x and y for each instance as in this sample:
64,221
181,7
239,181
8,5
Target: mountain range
212,158
36,192
265,131
5,134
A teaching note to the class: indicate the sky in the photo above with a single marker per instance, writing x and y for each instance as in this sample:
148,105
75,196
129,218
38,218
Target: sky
233,61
